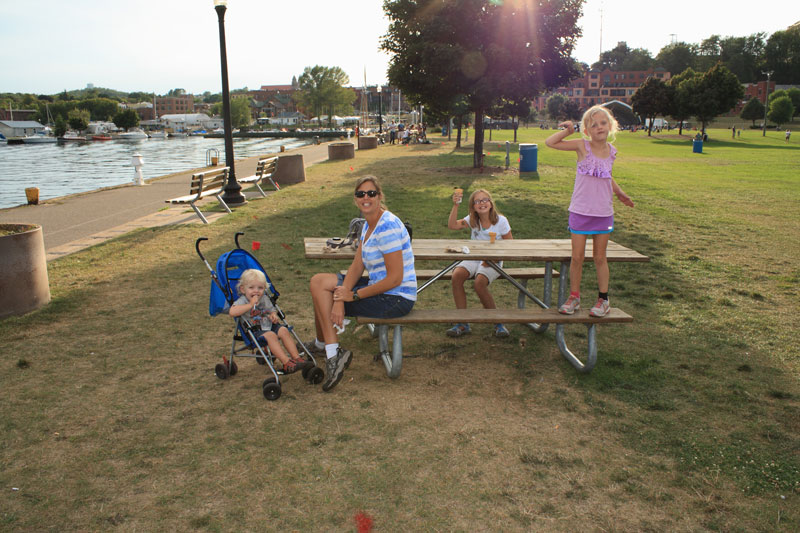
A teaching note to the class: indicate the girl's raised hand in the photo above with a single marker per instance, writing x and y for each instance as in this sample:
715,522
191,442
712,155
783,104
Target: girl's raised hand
458,195
568,125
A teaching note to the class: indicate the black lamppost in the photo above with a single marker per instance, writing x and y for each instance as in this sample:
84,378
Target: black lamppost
380,110
233,191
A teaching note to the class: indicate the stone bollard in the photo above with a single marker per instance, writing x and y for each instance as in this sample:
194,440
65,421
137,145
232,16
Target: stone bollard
138,162
367,142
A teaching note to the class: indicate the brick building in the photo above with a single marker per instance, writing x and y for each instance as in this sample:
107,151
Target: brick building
599,87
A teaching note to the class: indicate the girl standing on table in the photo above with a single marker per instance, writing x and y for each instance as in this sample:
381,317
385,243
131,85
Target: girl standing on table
591,211
389,290
483,220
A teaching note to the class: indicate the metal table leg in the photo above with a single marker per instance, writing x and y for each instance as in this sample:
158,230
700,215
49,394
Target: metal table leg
392,361
591,358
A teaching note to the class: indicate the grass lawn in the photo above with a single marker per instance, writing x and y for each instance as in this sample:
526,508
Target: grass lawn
112,418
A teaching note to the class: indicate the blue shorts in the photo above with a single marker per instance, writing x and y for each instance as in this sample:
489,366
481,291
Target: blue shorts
378,306
260,333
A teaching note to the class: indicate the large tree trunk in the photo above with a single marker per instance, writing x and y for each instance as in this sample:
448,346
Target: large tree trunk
458,137
477,153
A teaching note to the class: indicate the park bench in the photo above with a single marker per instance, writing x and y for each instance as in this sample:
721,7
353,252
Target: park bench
203,184
393,359
265,169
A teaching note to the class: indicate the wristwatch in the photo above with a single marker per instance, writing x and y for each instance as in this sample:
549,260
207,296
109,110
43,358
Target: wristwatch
355,295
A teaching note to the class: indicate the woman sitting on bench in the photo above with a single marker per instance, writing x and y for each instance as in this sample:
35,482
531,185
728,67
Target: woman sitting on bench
389,291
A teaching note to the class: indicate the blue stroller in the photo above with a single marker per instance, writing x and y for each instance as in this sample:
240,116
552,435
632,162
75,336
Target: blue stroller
224,283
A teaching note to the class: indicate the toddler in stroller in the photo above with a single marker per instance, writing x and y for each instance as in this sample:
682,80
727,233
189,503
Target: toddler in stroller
260,323
254,307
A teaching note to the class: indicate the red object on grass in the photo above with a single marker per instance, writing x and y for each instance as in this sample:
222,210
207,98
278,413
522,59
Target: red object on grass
256,245
351,168
363,523
286,246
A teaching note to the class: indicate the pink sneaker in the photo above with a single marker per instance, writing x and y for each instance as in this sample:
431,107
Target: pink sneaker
601,308
572,304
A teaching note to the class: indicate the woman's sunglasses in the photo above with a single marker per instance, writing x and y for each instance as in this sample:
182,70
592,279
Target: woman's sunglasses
372,193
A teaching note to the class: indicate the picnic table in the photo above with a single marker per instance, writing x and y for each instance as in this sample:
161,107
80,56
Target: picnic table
547,251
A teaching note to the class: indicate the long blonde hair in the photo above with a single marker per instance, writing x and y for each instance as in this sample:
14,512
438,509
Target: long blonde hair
474,219
586,121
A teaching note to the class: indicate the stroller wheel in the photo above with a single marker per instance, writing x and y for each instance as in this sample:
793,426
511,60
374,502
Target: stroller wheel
315,375
271,389
260,360
234,368
221,370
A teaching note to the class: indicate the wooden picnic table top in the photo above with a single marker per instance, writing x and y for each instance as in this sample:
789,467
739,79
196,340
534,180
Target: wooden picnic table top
500,250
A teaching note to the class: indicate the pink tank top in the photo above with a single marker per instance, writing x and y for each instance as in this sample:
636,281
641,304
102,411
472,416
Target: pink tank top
593,194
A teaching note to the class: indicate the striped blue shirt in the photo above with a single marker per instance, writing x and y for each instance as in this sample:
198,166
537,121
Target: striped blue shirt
390,235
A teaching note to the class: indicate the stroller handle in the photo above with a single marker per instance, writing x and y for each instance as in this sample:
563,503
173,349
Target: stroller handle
236,238
197,246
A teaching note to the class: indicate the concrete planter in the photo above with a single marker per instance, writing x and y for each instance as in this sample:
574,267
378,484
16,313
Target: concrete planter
24,285
290,170
367,142
341,151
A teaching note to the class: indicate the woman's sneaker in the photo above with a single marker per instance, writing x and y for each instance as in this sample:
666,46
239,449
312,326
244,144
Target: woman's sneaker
601,308
572,304
459,330
500,331
334,368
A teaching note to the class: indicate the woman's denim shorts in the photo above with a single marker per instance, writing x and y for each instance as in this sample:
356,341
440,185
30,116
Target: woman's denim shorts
378,306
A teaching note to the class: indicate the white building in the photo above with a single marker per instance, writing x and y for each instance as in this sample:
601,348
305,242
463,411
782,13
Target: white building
20,128
287,119
190,121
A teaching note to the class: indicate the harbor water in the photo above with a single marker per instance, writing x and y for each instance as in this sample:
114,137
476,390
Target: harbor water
62,169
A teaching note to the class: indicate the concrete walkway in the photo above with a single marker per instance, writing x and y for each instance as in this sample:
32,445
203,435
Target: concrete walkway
72,223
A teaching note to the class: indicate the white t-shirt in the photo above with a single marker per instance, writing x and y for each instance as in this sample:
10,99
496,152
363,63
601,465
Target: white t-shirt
502,227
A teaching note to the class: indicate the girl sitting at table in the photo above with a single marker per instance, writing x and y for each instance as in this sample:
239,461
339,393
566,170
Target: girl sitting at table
591,211
483,221
388,291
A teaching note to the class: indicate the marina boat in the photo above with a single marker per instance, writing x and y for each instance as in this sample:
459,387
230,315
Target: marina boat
101,137
160,134
39,138
3,139
132,135
72,136
178,134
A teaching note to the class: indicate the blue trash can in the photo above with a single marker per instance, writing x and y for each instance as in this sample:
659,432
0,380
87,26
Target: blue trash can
697,146
528,157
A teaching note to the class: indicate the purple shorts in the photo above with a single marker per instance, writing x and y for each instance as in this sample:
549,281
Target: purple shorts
587,225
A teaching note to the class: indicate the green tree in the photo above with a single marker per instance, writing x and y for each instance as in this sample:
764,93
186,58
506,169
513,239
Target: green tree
621,57
676,57
681,108
653,98
486,50
555,106
743,56
712,93
782,56
78,119
752,110
322,91
794,94
126,118
240,112
100,108
60,127
781,110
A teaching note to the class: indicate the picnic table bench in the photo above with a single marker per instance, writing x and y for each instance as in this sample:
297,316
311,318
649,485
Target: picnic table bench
203,184
537,250
265,170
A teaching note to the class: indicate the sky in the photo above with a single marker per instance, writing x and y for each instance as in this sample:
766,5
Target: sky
159,45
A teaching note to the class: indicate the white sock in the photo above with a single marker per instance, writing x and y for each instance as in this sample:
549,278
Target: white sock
331,350
319,344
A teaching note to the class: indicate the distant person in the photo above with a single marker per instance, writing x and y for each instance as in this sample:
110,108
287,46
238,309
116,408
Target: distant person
591,211
739,133
788,134
392,132
733,135
484,222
